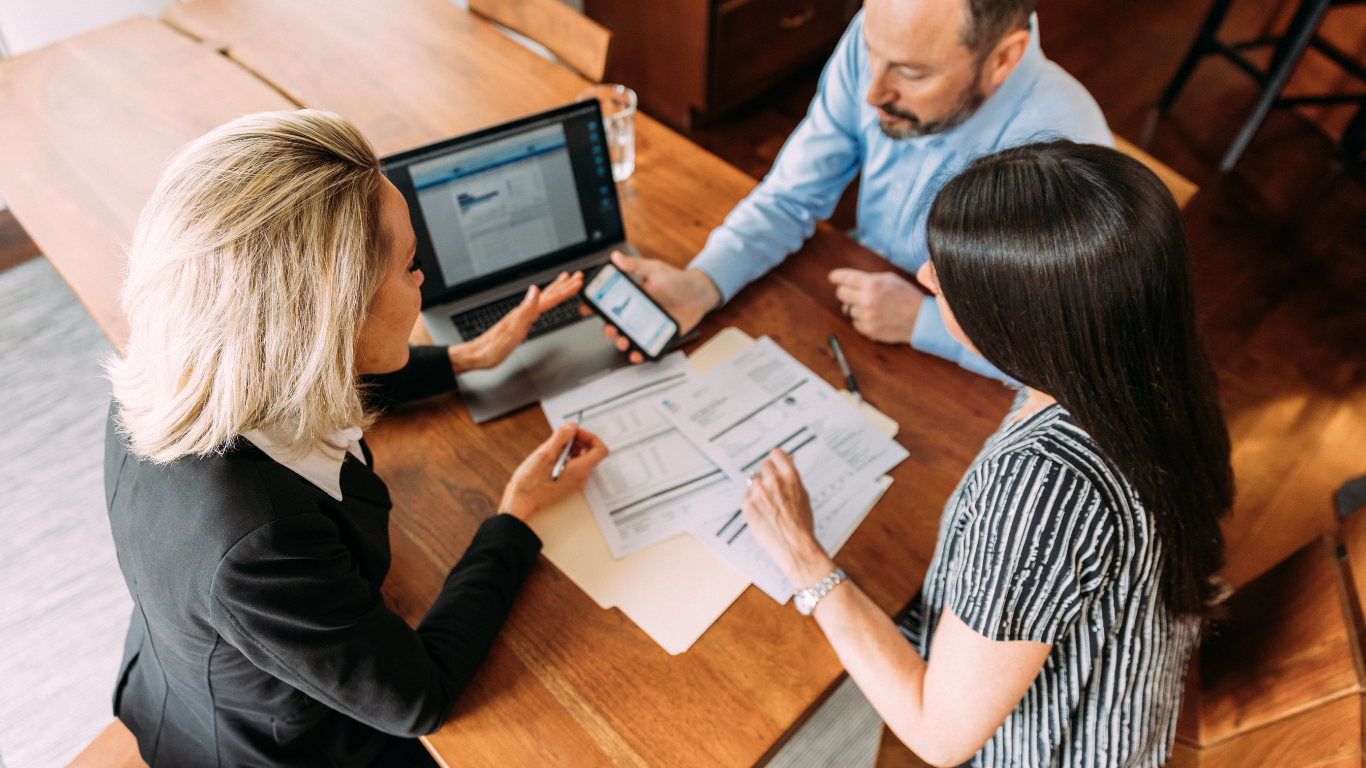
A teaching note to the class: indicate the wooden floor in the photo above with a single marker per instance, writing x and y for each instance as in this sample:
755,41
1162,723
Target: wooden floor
1279,247
1280,251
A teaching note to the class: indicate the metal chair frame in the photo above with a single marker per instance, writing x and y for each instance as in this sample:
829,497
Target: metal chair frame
1290,47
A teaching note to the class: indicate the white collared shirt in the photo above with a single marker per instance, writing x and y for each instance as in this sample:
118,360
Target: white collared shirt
321,466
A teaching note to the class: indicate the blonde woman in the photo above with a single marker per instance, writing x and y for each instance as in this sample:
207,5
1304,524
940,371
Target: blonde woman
271,289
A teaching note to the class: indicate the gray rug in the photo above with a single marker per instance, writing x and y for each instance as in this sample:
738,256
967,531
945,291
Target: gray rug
63,604
844,733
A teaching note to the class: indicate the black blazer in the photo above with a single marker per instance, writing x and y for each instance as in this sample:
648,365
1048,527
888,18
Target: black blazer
259,635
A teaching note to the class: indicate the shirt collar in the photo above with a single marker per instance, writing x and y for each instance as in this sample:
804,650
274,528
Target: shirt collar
321,466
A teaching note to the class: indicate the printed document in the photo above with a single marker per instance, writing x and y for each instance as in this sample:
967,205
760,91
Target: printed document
762,398
730,539
655,484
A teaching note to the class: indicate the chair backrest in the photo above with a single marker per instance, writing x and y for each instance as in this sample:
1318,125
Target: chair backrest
1182,188
576,39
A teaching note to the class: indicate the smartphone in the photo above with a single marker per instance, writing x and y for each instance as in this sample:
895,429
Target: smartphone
624,304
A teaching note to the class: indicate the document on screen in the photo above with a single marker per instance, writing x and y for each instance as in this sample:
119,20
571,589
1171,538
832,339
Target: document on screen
656,483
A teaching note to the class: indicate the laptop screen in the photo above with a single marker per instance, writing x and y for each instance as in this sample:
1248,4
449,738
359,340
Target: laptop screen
509,200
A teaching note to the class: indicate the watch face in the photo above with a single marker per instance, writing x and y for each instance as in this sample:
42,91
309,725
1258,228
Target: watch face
804,601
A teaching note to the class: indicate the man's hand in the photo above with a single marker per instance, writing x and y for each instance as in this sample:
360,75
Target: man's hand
494,345
881,305
686,296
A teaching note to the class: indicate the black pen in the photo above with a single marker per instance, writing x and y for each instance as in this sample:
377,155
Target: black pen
844,366
564,458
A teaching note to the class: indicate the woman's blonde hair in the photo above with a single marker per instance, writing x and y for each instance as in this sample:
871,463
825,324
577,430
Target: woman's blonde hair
250,274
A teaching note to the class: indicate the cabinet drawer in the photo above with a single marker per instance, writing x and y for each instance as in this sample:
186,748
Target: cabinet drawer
759,41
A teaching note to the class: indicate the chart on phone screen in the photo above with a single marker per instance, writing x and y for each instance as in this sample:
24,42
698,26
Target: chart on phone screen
643,322
655,484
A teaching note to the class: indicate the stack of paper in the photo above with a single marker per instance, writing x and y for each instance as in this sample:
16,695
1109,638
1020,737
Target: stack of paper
655,484
684,439
760,399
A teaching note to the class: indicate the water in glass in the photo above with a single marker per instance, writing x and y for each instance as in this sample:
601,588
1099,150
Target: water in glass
619,118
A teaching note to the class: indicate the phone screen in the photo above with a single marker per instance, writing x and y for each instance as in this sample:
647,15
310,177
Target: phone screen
630,310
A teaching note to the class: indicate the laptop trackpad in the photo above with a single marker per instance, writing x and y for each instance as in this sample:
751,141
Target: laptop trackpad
539,368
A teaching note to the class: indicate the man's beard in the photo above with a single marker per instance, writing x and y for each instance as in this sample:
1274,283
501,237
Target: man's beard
968,103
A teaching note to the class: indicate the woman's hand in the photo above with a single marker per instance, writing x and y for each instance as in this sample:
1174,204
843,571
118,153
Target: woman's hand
779,513
494,345
531,488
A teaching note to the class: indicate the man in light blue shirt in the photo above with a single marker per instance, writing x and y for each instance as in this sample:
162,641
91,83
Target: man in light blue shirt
915,90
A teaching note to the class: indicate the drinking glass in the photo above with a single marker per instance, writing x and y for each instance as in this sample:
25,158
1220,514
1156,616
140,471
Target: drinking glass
619,120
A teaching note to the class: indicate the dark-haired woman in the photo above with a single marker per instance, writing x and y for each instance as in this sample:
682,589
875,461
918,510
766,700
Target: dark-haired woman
1074,562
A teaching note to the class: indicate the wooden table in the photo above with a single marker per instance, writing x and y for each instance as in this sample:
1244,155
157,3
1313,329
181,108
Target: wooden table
85,128
567,683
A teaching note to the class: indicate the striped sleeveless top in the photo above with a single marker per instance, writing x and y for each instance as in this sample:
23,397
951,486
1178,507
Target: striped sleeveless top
1044,540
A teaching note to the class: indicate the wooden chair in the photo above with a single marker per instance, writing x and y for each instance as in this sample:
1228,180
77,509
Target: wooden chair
115,747
1279,683
576,39
1182,189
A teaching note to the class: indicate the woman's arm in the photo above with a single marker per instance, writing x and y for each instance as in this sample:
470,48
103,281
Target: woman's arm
493,346
427,374
431,371
290,596
944,710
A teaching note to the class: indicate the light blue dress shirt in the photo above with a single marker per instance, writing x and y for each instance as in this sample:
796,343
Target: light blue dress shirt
840,137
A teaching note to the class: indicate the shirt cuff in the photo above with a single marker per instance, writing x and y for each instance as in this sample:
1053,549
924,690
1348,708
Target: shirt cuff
727,267
427,374
433,365
932,336
507,534
511,529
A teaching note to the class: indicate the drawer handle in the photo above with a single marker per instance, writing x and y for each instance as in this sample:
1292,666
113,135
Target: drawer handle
792,22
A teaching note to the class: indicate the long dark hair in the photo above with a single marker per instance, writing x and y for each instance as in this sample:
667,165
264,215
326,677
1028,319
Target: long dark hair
1067,266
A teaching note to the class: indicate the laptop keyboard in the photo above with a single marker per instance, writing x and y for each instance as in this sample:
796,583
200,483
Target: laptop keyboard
474,322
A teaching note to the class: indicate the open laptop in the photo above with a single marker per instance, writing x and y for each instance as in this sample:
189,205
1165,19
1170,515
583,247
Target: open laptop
498,210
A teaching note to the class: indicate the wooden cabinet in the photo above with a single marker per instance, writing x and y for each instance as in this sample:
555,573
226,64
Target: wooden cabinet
690,59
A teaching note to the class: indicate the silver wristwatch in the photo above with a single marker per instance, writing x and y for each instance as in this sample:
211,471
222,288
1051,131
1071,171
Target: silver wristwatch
806,599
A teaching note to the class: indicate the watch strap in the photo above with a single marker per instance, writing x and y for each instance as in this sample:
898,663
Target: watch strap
812,595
